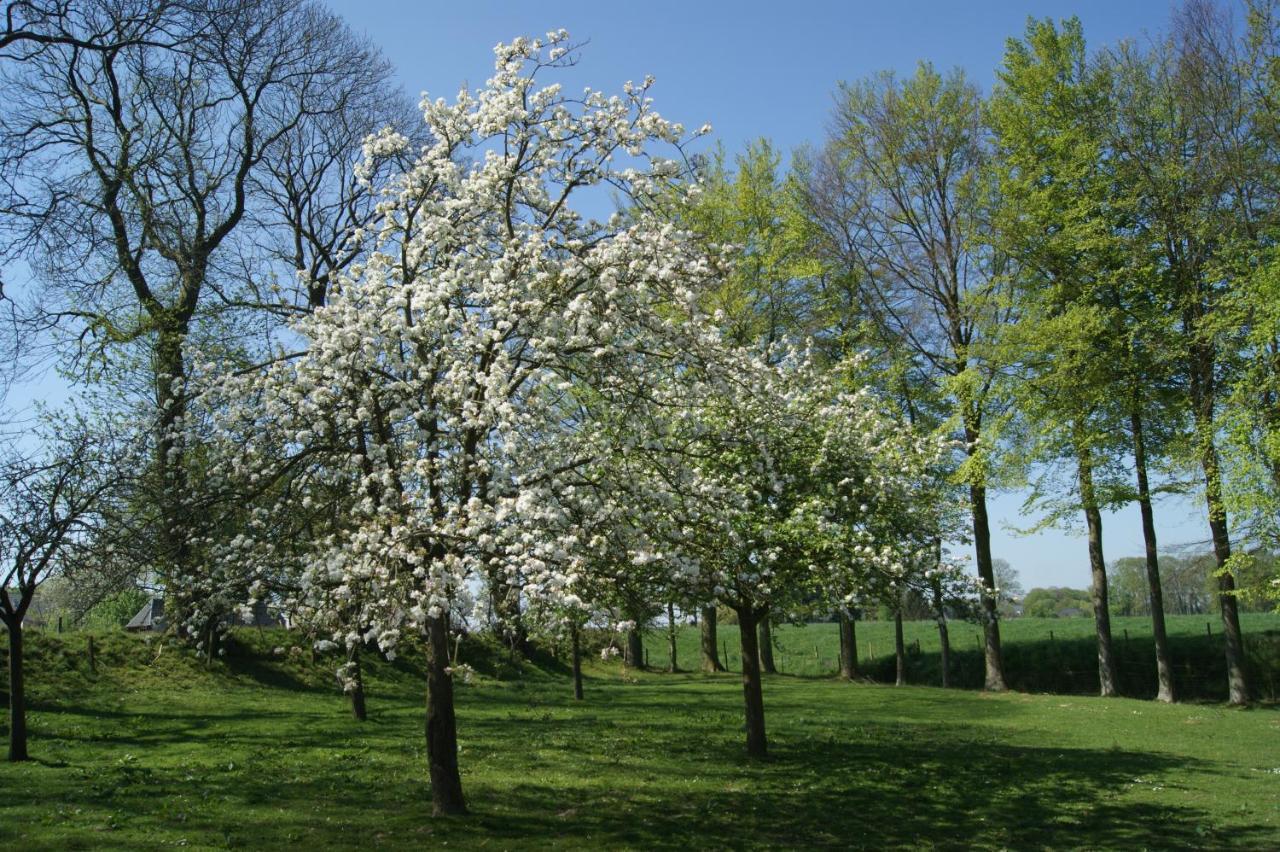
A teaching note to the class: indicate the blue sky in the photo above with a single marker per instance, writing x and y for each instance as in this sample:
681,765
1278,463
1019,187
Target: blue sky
768,69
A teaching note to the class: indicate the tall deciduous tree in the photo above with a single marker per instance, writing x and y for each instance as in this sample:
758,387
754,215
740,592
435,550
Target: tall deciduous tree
1180,123
1059,217
141,142
897,198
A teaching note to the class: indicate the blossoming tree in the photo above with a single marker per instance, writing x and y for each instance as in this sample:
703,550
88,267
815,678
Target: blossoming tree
793,489
471,374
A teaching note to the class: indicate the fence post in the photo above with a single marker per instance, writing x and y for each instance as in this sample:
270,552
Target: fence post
93,662
1208,629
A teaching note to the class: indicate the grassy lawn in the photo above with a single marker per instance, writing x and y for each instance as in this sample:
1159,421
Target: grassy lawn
155,751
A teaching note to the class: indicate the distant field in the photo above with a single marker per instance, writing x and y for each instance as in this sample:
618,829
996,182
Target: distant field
1042,654
156,751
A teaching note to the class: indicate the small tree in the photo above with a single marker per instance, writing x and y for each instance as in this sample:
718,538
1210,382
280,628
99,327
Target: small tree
796,485
51,506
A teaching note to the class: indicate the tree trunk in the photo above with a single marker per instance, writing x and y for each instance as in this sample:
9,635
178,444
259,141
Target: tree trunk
175,534
357,691
1201,367
710,651
17,694
671,638
848,647
1164,663
506,606
1098,568
944,638
442,726
992,658
899,649
766,647
577,663
633,653
1237,680
752,691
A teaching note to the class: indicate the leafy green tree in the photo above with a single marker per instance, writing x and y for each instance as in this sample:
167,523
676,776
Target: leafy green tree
895,201
1180,144
1055,602
1060,217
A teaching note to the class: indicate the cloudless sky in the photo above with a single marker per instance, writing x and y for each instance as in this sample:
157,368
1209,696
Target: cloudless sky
756,69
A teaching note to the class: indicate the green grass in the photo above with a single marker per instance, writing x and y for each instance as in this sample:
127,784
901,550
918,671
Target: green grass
1041,654
154,750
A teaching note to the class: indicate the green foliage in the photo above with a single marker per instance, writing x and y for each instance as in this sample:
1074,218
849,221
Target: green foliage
1055,602
746,208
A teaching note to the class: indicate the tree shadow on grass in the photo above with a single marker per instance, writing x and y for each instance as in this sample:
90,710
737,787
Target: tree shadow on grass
920,793
654,764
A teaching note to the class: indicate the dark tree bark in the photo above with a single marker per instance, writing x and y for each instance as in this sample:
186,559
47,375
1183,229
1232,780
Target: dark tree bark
899,649
944,636
1237,680
1164,662
1201,373
710,650
1098,568
357,692
992,658
633,653
766,647
752,689
577,663
442,726
848,647
17,695
671,639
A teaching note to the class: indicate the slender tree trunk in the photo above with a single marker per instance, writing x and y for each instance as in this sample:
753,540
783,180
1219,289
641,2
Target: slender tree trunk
944,637
577,663
1098,568
992,658
671,638
848,647
752,689
633,653
899,649
357,690
442,726
1237,679
710,651
766,647
1164,663
17,694
1203,391
506,606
